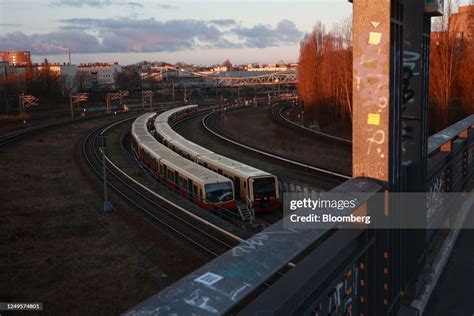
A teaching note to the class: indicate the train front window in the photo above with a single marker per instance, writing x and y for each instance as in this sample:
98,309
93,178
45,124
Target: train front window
219,192
264,187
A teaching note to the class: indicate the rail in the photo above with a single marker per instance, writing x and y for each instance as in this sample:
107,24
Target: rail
208,237
8,138
209,126
338,277
277,114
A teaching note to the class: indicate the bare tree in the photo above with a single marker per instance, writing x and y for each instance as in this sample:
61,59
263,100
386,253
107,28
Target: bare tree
227,64
447,57
83,80
325,72
465,79
128,79
68,84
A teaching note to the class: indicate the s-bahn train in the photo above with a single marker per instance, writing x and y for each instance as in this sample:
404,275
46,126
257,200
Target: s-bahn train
256,188
201,185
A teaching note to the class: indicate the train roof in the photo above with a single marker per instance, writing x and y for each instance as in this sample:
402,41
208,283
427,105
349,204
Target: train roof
192,148
184,166
139,127
164,117
165,130
232,166
201,153
160,152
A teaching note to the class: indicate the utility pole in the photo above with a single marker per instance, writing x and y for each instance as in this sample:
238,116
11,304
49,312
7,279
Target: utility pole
185,94
26,101
108,207
72,107
77,98
115,96
172,89
5,92
147,94
20,103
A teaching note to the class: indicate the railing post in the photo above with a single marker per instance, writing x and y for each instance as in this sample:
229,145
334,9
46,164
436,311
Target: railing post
416,42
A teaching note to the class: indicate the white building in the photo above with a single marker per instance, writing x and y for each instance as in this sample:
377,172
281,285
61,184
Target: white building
102,75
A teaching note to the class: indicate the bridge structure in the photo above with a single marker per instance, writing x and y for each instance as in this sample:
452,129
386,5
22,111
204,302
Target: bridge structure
195,78
363,270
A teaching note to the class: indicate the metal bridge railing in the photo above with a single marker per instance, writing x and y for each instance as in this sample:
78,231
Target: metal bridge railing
282,271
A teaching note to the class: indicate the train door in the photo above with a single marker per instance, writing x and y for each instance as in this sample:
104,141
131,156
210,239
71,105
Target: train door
237,188
190,188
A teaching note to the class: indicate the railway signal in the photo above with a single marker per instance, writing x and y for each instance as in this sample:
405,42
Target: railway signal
147,94
77,99
112,96
26,101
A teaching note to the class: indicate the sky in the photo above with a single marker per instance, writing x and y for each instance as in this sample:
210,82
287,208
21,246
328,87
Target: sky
192,31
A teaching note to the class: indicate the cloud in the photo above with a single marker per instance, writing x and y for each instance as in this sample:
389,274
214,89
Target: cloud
95,3
87,35
9,25
51,43
260,36
223,22
168,6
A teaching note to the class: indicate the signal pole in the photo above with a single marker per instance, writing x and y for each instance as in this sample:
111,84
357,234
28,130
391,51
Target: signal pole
77,98
108,207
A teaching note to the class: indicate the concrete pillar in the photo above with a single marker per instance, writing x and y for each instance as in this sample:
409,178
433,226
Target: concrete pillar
371,83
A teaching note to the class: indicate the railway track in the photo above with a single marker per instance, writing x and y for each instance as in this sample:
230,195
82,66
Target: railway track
206,236
277,115
209,124
10,137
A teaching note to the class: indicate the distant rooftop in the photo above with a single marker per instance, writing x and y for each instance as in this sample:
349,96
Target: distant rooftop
98,64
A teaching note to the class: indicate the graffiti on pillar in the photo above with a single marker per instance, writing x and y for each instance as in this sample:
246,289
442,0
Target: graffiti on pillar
371,80
410,63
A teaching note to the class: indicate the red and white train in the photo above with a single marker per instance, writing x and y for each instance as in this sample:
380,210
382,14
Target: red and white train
201,185
256,188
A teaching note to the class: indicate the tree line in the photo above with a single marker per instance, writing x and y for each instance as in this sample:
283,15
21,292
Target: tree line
54,88
325,73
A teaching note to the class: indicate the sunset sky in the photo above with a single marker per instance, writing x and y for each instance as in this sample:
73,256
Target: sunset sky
202,32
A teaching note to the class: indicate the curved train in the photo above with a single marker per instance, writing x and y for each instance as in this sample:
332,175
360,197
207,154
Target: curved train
256,188
199,184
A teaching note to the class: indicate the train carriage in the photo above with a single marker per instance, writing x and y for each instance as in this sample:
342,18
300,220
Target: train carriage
253,187
171,116
189,149
201,185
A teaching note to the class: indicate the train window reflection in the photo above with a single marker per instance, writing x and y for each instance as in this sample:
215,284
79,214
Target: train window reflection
219,192
264,187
